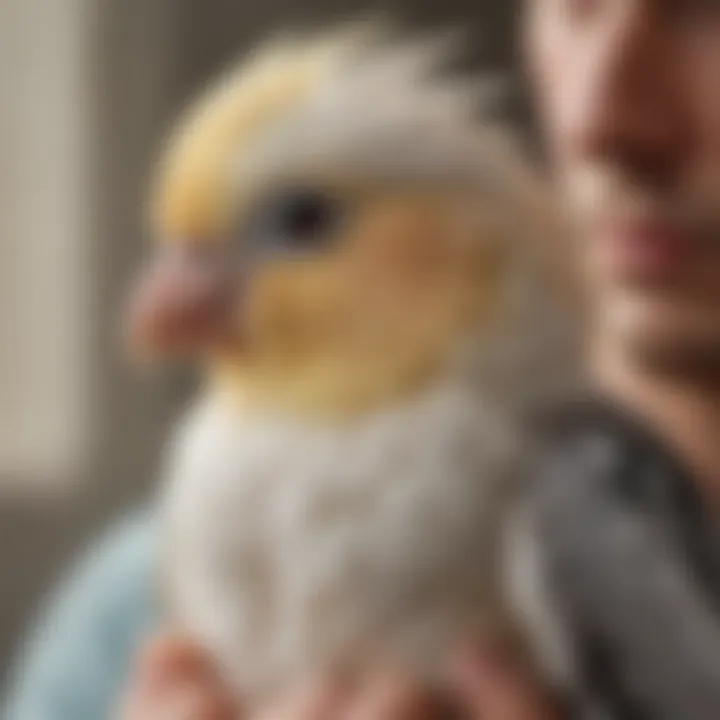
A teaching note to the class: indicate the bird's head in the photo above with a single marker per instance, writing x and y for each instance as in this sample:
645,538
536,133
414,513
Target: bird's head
335,225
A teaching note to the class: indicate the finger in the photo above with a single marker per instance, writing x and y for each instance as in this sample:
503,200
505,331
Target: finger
171,667
169,660
188,703
176,655
180,702
193,703
320,699
392,697
490,683
145,683
483,686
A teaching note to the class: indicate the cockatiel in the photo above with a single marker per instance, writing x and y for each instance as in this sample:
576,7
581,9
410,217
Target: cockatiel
355,259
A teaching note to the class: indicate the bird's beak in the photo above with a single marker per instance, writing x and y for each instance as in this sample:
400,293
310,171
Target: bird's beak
184,304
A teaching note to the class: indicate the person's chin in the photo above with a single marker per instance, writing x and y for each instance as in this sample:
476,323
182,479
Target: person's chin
666,336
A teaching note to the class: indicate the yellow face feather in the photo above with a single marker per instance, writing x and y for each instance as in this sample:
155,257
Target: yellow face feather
195,198
374,318
432,210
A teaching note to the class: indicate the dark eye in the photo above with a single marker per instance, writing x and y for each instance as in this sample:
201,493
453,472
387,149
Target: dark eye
299,219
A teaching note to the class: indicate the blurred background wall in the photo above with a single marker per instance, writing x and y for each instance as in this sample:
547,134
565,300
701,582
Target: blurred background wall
87,88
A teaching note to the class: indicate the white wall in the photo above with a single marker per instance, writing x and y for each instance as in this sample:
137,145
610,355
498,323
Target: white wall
46,202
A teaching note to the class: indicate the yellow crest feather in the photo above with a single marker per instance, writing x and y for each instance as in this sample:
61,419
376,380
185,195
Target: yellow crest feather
193,196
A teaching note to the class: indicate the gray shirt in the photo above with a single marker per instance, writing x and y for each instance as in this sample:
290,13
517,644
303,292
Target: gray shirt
634,567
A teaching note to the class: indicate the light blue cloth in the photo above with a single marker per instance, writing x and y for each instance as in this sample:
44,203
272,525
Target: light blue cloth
76,662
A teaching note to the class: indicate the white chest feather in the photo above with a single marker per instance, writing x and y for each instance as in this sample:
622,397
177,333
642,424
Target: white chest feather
296,545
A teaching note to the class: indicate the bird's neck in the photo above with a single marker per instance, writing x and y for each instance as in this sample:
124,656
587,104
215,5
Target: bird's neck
331,390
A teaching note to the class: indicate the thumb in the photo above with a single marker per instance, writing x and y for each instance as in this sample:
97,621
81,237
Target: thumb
491,683
170,657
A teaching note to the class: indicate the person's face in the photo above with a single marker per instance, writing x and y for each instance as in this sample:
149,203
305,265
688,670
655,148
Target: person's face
629,94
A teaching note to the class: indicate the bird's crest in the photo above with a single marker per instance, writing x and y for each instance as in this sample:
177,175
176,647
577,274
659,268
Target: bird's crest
357,101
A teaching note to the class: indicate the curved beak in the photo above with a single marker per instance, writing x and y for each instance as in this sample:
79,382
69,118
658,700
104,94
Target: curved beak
184,303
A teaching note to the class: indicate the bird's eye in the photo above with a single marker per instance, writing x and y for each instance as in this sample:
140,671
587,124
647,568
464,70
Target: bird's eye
304,215
299,219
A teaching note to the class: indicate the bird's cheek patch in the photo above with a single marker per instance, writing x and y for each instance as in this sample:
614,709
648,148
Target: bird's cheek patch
293,307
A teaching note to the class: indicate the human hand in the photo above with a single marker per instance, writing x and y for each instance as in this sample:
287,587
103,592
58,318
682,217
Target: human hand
486,682
175,680
382,696
492,684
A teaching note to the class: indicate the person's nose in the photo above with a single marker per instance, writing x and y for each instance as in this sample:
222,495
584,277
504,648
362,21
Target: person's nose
626,109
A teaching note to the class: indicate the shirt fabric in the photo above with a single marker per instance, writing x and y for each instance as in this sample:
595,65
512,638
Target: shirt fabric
633,565
75,663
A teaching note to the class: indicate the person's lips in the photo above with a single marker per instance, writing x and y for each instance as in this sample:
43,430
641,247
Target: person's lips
648,250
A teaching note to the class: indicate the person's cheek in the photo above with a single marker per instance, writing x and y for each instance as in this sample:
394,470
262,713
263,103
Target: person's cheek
565,63
546,46
701,69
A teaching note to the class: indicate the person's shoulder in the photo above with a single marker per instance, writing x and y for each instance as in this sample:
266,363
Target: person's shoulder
613,526
598,477
594,445
572,519
571,422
